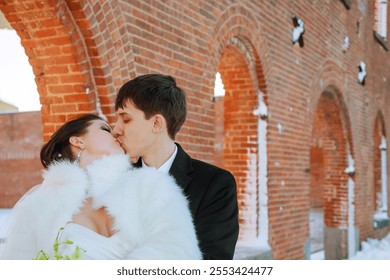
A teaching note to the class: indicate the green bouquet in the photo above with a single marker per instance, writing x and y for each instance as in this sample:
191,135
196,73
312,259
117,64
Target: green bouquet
77,254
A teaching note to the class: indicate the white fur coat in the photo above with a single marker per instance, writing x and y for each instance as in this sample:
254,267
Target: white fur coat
148,208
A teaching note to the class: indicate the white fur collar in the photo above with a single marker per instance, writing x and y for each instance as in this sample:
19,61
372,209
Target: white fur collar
95,180
150,210
63,173
106,173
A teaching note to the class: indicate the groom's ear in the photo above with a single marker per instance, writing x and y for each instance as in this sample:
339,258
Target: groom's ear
158,123
76,141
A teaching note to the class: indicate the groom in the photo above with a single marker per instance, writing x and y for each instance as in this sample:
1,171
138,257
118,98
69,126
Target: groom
151,110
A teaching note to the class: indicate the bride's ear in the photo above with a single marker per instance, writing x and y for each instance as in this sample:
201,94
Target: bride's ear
76,142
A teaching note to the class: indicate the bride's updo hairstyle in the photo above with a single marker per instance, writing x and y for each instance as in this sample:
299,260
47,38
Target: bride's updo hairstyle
58,147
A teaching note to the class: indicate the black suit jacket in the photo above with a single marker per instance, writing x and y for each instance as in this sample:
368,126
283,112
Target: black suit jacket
212,196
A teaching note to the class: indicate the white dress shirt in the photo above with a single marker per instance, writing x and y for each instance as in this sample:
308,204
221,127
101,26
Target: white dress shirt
166,165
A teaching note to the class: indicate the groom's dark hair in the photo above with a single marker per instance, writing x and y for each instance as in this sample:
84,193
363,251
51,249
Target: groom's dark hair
58,147
156,94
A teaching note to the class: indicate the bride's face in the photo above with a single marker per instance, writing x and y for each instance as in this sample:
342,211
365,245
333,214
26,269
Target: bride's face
99,141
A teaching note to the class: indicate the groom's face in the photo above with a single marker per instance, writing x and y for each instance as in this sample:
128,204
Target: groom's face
133,131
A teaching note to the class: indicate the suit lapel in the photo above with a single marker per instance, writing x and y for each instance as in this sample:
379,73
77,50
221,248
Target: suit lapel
138,164
181,167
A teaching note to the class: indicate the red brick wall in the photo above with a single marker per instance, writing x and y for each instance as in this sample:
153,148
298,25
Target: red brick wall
84,46
20,167
317,174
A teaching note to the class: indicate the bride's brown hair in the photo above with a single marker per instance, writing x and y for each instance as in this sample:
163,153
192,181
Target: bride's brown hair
58,147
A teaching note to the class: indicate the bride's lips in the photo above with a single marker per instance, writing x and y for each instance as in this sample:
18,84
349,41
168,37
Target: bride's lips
122,145
118,143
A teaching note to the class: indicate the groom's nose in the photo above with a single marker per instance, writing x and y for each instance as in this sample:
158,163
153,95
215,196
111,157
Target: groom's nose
117,130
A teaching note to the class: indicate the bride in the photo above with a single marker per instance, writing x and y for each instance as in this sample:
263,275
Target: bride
93,205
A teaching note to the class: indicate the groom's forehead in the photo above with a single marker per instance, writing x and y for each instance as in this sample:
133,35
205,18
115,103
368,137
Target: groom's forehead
126,107
125,110
129,109
120,112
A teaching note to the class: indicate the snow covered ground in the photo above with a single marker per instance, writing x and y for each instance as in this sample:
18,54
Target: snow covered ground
374,249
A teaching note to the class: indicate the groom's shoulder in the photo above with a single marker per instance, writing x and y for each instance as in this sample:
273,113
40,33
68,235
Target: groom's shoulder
210,170
201,167
197,163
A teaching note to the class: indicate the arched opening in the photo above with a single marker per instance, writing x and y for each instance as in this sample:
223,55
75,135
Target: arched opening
240,136
56,52
331,183
17,85
59,58
20,123
240,141
74,53
219,94
380,192
62,52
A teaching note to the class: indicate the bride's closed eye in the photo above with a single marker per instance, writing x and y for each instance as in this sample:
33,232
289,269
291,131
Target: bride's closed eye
106,128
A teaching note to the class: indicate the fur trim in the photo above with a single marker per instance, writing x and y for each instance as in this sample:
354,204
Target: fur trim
58,174
149,210
37,217
106,173
159,223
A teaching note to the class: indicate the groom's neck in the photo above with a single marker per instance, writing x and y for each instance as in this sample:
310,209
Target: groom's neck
159,154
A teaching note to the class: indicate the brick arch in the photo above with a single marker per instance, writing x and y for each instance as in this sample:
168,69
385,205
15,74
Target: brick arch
330,76
328,73
232,53
108,46
240,135
73,55
235,29
238,22
376,191
58,70
328,160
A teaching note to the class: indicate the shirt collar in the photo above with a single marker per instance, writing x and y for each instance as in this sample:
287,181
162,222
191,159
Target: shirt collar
166,165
